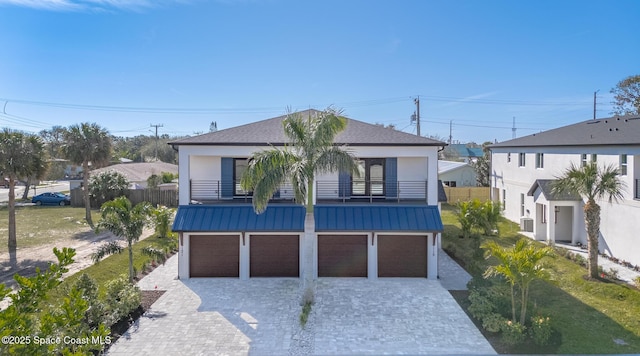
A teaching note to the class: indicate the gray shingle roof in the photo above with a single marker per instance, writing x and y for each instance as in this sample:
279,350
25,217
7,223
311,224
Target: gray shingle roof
270,131
617,130
546,186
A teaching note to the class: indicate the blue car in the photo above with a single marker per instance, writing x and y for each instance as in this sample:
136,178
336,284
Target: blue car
51,199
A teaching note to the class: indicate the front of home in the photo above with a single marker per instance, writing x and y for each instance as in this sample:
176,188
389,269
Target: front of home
385,223
524,169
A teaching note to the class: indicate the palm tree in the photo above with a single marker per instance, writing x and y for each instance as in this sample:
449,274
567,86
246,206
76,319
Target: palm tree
21,155
519,265
126,222
311,151
592,183
87,143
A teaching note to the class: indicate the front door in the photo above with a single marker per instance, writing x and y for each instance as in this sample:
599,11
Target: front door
371,179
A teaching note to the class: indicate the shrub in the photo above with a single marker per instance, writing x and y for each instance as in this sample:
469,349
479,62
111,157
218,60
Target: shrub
513,333
481,305
636,281
107,185
89,291
122,298
540,330
161,217
493,322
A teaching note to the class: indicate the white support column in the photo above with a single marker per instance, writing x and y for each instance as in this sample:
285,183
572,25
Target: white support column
432,256
183,256
184,178
244,255
575,224
372,256
551,224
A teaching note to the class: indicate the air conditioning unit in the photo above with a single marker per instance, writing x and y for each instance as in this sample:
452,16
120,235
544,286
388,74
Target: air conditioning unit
526,224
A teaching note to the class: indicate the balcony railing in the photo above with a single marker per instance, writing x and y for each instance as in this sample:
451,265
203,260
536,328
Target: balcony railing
206,191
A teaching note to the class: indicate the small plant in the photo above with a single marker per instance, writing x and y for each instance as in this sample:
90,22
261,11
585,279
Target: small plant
161,217
493,322
308,298
636,281
157,255
540,330
122,298
513,333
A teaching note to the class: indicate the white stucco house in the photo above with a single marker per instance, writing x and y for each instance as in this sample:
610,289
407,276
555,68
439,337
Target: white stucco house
457,174
523,171
386,223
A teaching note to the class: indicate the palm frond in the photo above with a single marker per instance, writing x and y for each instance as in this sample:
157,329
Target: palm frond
107,249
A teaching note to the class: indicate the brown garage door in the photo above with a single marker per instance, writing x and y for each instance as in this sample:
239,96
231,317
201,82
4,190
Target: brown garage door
342,255
402,256
214,256
275,256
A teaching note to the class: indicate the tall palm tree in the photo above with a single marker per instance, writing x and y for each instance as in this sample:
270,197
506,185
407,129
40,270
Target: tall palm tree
592,183
126,222
87,143
310,151
21,155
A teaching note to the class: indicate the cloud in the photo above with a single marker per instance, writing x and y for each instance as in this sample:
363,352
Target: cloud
89,5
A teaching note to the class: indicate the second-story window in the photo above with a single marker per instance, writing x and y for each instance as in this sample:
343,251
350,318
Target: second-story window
583,159
539,160
623,165
521,159
239,166
509,157
594,157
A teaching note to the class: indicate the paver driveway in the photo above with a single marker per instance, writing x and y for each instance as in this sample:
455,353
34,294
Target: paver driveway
260,316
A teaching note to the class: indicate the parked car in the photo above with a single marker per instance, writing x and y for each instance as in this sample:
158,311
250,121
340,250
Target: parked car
51,199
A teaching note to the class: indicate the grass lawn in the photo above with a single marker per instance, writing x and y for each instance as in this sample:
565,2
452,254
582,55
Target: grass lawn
587,316
39,225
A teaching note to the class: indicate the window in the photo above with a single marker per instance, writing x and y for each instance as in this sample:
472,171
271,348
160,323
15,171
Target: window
521,204
594,157
504,199
371,180
539,160
623,165
521,159
239,166
450,183
509,157
543,213
583,159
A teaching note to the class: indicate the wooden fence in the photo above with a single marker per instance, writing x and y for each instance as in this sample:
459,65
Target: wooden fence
457,194
152,196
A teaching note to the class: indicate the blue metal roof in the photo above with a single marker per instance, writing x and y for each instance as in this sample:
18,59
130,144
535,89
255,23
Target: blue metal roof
417,218
238,218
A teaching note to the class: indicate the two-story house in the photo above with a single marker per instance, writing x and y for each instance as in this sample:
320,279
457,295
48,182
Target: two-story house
524,169
384,223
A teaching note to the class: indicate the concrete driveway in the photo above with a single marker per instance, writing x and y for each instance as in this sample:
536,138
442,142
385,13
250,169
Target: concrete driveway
260,317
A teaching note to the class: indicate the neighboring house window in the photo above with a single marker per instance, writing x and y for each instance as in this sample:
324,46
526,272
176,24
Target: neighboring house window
521,159
371,180
521,204
509,157
450,183
594,157
543,213
539,160
239,166
583,159
504,199
623,165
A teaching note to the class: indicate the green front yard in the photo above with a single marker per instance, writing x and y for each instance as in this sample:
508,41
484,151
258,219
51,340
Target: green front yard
587,316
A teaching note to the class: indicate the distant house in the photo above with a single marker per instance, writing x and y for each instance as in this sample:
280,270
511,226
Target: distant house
456,174
523,171
136,173
465,153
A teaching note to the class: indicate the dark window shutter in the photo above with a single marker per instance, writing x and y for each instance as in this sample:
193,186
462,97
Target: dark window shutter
344,184
226,177
391,175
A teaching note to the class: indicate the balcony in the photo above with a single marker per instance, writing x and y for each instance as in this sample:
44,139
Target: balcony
215,191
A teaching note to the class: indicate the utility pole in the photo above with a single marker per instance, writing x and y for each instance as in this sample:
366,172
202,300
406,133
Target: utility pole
156,151
417,102
450,131
595,96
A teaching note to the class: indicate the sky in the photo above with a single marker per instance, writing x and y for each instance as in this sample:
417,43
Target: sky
476,66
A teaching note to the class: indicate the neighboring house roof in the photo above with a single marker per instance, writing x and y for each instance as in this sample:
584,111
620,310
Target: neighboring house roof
448,166
463,151
617,130
239,218
139,172
396,218
270,131
546,187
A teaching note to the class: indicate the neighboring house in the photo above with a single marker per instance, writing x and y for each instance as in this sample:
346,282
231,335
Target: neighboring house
456,174
138,173
465,153
384,224
523,171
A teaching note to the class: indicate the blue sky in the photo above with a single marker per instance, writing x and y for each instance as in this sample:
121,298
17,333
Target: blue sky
126,64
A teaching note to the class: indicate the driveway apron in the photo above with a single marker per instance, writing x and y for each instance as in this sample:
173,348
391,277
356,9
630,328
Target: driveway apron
217,316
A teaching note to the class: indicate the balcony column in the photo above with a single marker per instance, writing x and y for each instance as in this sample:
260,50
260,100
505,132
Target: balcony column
432,179
551,224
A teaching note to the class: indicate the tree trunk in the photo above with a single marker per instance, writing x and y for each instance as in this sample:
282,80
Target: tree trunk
130,262
592,220
85,192
27,185
12,242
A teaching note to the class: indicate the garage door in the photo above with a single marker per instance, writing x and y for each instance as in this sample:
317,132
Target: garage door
342,255
214,256
402,256
274,256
